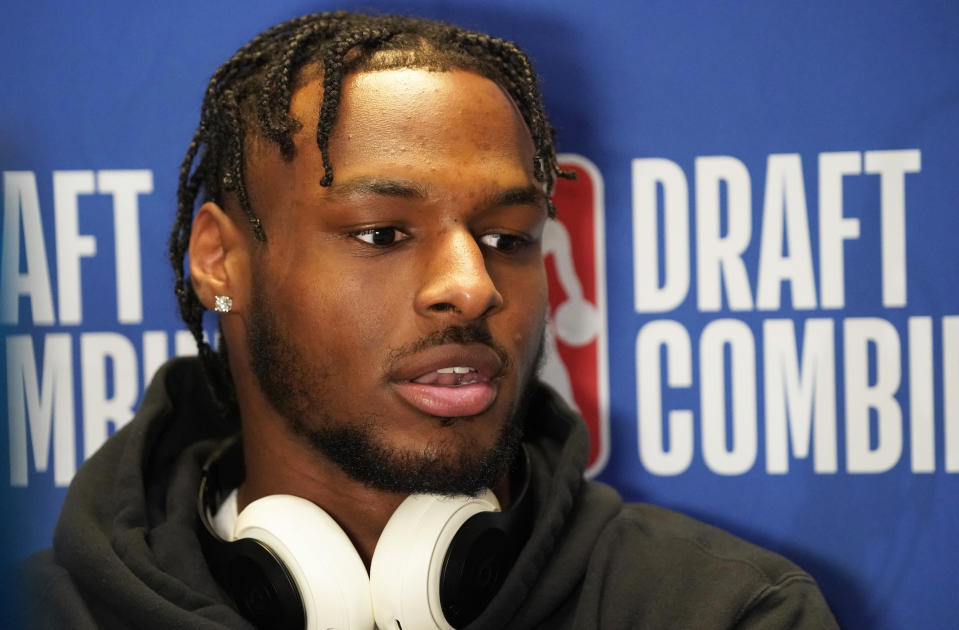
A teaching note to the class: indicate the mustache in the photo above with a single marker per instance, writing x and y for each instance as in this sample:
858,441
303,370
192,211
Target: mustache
470,333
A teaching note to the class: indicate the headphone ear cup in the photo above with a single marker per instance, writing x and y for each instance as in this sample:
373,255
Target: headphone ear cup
331,578
260,585
477,563
409,557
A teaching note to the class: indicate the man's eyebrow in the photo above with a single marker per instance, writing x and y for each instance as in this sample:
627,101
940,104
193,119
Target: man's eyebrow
407,189
523,196
381,186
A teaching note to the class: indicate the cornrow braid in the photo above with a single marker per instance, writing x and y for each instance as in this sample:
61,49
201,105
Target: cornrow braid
252,92
333,71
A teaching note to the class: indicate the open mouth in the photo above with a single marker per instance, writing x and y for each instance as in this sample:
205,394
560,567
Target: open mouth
450,381
450,377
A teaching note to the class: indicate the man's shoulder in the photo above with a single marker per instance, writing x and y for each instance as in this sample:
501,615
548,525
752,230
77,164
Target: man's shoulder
46,596
681,571
669,534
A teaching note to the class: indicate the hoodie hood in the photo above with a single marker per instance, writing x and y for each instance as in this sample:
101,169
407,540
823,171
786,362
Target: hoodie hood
127,530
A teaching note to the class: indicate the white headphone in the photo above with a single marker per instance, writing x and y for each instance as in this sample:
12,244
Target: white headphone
437,564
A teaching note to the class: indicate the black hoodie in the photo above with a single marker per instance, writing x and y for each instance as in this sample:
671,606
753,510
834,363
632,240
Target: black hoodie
126,553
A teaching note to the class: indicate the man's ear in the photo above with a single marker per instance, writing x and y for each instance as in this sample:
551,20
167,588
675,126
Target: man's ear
219,259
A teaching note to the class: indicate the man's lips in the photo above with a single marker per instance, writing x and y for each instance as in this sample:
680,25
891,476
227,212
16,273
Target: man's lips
451,380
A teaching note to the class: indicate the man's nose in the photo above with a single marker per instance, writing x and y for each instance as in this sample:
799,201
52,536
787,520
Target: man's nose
457,282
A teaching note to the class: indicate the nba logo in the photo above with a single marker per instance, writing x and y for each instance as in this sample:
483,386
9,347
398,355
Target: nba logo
575,362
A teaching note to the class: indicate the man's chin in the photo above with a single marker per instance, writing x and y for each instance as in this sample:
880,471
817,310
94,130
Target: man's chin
448,466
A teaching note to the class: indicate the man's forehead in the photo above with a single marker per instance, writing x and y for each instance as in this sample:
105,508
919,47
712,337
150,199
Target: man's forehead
393,110
410,134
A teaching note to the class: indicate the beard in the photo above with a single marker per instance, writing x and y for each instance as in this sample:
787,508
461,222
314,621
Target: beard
358,445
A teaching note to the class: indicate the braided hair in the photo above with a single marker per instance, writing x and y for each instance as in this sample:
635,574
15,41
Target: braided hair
252,91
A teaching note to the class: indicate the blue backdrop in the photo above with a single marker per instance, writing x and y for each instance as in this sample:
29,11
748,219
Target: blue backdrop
773,268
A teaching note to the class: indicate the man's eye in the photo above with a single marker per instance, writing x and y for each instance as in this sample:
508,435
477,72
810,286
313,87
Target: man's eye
507,243
381,236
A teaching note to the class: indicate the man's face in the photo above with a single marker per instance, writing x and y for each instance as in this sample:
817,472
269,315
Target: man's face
397,315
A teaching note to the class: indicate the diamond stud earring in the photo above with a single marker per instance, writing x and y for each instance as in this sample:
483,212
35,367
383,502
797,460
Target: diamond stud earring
222,303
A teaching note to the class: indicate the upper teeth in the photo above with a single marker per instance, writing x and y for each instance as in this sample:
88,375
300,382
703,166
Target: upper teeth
454,370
